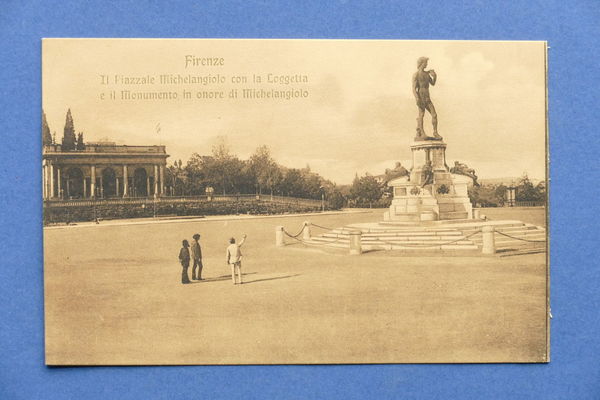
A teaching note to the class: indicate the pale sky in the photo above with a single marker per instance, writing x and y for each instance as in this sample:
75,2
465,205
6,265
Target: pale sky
359,116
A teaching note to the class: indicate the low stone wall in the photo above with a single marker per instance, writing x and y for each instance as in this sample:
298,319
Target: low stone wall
57,213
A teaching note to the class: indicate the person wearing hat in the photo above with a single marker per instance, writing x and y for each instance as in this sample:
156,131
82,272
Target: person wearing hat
234,258
184,259
197,257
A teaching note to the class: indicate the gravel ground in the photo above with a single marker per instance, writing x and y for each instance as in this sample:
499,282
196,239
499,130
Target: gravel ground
114,296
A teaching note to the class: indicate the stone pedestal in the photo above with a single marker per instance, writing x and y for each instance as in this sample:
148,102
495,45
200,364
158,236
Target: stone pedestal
427,151
431,192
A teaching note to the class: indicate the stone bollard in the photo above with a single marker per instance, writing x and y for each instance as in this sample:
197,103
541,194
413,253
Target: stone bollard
476,213
279,240
489,245
355,247
306,231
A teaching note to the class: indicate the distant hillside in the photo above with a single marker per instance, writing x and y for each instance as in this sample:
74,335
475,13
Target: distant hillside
505,181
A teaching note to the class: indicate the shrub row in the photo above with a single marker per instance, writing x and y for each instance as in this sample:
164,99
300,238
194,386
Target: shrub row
65,214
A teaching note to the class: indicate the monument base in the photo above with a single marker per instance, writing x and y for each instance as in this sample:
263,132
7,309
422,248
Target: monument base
429,196
413,203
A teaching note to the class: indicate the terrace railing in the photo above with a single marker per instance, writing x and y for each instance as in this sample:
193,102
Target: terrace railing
183,199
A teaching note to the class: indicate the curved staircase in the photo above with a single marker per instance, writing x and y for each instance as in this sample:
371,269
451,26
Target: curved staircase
456,236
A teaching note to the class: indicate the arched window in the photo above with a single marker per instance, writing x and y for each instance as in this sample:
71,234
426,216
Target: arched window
73,185
109,182
140,182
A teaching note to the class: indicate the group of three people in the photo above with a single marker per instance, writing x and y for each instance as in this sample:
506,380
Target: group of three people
233,258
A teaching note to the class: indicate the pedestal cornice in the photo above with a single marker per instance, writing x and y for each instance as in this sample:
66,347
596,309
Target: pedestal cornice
427,144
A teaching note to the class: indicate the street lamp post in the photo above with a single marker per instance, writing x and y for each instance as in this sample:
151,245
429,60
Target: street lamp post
322,198
511,195
154,203
209,192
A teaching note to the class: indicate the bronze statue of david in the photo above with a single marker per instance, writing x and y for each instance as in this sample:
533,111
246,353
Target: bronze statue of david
421,81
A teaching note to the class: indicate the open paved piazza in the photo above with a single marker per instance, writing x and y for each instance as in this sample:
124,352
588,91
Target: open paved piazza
114,296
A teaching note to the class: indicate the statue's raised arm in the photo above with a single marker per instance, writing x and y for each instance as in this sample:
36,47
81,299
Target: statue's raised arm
432,77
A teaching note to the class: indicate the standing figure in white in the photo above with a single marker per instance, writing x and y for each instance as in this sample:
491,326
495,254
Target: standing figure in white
234,258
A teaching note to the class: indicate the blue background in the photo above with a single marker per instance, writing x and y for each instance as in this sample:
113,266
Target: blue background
572,29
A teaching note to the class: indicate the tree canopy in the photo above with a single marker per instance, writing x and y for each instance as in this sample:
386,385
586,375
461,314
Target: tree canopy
46,135
69,140
227,174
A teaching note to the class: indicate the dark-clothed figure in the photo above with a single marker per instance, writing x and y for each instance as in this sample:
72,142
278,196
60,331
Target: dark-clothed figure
197,257
184,259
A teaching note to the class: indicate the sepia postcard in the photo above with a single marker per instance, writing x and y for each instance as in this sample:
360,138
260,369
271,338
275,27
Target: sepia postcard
221,201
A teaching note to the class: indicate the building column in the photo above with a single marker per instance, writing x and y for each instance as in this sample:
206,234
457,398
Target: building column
155,180
125,181
117,185
101,187
84,187
51,180
162,180
59,181
147,185
44,182
93,182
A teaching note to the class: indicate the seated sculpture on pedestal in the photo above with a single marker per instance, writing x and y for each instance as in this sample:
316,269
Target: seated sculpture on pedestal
427,174
463,169
397,172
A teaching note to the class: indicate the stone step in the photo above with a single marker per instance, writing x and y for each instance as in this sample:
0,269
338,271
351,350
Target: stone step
393,237
520,246
524,230
400,234
477,224
500,238
500,243
470,247
319,243
502,226
399,238
422,248
407,217
454,215
520,232
400,242
412,238
520,252
401,231
510,229
407,228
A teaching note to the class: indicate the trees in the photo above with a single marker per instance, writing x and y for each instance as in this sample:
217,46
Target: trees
196,173
227,174
335,199
219,168
495,195
311,184
501,194
176,178
365,190
68,140
263,168
292,183
485,196
526,191
222,171
80,144
46,135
